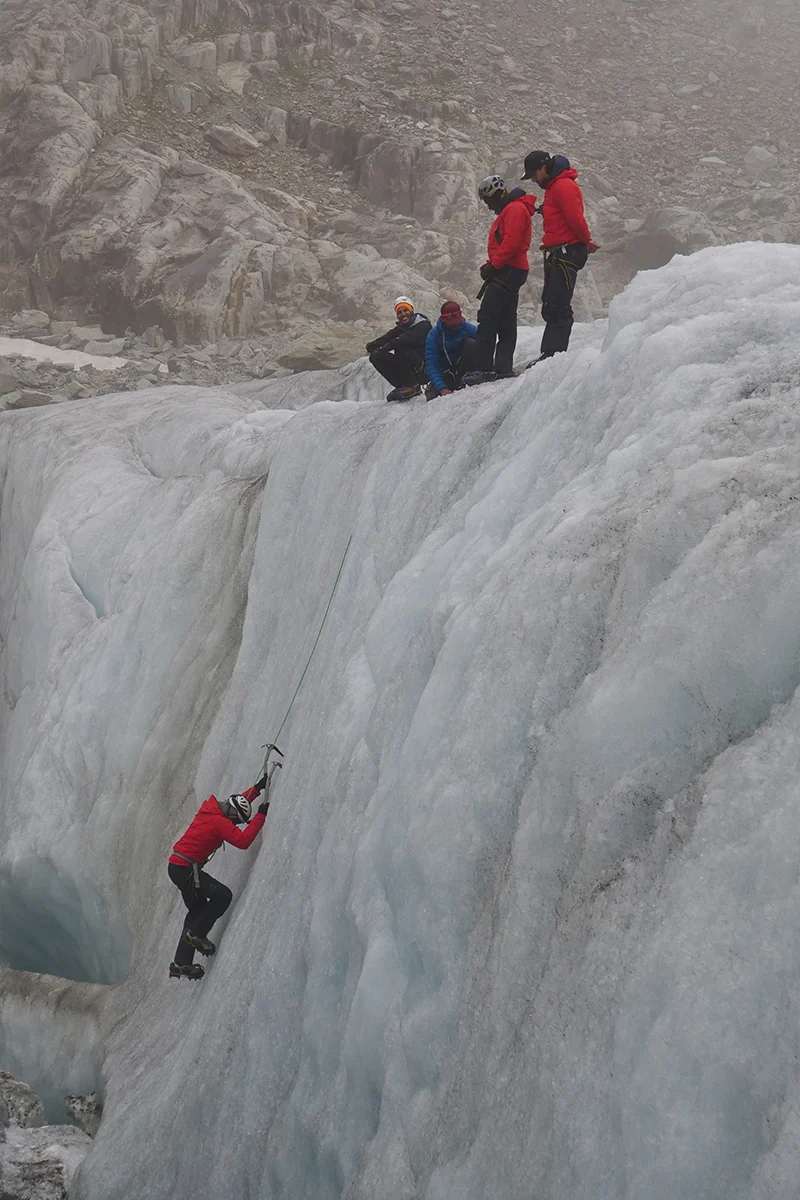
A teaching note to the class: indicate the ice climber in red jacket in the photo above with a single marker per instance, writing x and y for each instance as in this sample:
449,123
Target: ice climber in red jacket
566,244
503,273
217,821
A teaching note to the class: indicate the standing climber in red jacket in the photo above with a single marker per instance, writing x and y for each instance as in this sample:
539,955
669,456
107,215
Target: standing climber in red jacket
206,898
566,244
503,274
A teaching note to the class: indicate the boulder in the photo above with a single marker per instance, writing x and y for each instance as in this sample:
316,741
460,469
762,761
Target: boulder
263,46
263,70
81,335
30,319
179,98
86,1112
29,398
232,139
667,232
200,56
8,382
19,1103
759,163
226,48
110,347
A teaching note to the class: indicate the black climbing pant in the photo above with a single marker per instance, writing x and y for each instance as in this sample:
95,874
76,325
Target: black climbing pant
400,368
561,266
205,903
453,375
497,321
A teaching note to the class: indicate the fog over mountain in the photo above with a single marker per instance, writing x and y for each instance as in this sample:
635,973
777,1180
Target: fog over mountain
218,170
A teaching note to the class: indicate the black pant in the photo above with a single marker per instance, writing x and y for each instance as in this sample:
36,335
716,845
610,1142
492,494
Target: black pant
497,321
206,905
561,266
400,368
453,376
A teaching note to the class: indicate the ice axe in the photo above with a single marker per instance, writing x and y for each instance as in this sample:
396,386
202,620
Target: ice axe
269,748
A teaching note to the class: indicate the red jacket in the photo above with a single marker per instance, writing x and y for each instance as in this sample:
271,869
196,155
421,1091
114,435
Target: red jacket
210,829
510,235
562,211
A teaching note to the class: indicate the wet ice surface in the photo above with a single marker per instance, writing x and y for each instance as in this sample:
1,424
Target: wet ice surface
523,921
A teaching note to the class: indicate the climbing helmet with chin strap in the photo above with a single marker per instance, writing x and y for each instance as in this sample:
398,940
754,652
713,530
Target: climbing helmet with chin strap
492,185
237,809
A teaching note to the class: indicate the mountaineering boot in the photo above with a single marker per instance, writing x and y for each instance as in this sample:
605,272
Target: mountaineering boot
473,378
430,391
401,394
198,943
193,971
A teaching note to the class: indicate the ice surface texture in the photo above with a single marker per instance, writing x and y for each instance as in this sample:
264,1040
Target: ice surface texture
523,923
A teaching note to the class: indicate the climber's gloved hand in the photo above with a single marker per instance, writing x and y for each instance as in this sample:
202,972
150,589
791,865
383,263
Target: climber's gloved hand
487,271
371,347
262,784
263,807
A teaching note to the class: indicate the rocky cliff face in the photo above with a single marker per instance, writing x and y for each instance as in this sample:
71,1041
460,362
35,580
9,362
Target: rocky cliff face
219,169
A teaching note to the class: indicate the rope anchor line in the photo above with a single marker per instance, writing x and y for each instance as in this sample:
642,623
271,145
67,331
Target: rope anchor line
271,745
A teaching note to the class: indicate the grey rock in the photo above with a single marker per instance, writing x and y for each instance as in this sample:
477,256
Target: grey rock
264,46
263,70
232,139
200,56
179,97
38,1164
110,347
28,398
79,335
759,163
226,47
9,382
19,1103
667,232
31,318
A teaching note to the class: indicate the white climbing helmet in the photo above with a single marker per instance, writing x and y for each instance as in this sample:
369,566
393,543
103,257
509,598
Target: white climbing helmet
491,185
237,809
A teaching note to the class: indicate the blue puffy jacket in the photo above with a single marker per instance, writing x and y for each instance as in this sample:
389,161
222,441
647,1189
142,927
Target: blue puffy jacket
443,350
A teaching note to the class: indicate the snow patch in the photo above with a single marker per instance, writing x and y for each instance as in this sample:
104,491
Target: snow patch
25,348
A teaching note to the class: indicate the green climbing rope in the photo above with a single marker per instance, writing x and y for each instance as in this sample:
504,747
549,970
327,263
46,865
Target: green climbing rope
272,745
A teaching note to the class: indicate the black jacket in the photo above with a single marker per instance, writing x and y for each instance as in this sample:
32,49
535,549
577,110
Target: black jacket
410,336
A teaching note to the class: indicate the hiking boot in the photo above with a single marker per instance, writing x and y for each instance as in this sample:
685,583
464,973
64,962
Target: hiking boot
401,394
198,943
430,392
473,378
193,971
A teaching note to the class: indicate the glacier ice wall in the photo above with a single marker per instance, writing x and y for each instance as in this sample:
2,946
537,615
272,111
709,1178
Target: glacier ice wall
522,923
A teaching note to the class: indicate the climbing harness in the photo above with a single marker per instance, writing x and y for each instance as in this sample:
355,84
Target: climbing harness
271,745
193,864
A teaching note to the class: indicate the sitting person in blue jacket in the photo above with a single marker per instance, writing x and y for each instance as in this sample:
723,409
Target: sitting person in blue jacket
449,351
